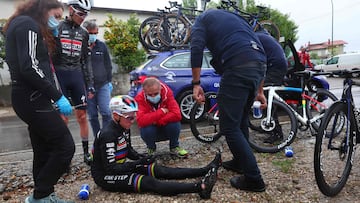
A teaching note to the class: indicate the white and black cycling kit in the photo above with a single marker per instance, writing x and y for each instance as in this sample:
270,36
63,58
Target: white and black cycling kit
72,62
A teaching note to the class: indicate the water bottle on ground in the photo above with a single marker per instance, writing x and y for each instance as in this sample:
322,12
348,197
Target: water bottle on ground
289,151
257,113
84,192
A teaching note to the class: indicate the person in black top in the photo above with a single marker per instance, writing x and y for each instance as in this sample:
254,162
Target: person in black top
240,59
73,66
102,71
28,44
112,172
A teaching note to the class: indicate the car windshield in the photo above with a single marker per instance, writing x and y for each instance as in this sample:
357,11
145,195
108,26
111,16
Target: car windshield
333,60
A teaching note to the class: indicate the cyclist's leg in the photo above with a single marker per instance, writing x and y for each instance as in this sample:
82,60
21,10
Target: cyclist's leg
79,98
150,184
135,182
64,80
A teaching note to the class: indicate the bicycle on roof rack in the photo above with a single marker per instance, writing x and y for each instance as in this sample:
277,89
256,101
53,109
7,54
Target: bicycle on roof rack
169,29
253,18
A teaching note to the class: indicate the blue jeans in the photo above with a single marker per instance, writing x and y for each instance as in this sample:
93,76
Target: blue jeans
238,87
99,103
152,133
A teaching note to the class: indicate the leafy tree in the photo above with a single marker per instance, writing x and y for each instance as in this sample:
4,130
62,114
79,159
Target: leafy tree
314,56
122,39
287,27
189,3
211,5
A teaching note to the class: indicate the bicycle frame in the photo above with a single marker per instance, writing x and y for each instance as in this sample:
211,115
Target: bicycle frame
347,97
301,118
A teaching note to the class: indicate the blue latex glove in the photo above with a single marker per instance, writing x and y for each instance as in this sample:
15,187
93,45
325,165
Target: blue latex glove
55,32
110,87
64,106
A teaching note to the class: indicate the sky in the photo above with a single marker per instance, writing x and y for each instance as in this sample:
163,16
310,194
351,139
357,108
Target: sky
313,17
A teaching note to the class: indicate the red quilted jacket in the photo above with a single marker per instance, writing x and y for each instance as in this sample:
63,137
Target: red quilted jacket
149,115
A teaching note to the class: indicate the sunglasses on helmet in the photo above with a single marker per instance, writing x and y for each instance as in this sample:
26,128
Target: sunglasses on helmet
79,13
128,117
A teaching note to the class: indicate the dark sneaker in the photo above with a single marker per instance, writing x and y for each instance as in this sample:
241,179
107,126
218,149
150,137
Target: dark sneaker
88,158
216,162
207,183
232,165
52,198
240,182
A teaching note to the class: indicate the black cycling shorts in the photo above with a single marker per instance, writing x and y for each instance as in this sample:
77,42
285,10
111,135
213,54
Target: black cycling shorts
73,87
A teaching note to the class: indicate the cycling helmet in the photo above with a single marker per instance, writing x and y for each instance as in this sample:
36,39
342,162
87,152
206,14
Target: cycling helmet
83,4
123,104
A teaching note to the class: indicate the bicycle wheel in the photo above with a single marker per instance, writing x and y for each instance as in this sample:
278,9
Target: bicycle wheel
174,31
333,152
270,27
272,136
317,103
206,128
148,35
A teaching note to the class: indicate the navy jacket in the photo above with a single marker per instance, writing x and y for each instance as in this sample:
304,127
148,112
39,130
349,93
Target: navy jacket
229,38
276,60
101,64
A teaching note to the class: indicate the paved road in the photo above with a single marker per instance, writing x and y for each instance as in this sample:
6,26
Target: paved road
14,135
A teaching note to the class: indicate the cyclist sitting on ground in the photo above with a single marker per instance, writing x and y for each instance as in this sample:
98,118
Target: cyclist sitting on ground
276,69
112,172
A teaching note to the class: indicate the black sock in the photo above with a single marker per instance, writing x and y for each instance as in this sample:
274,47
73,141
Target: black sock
85,145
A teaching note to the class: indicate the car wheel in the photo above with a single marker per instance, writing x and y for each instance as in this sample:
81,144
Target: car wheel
186,101
355,75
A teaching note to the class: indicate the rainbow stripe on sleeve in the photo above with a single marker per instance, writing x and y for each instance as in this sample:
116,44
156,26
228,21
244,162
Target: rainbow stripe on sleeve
137,182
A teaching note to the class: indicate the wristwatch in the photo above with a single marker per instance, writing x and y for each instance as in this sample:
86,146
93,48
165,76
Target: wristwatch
195,82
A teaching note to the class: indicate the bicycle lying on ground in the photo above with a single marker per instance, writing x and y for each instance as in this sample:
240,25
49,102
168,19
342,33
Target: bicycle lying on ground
337,138
278,118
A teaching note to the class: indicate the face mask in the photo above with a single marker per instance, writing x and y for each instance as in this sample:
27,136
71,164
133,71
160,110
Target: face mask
154,99
53,23
92,38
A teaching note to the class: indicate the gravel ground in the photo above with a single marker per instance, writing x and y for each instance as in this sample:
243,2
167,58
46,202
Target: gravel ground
293,184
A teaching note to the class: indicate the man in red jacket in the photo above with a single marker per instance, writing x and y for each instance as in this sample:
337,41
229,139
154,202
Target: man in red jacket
305,58
159,116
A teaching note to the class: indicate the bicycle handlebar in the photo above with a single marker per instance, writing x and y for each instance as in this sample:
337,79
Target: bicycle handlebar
307,74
